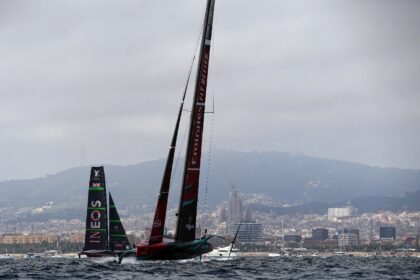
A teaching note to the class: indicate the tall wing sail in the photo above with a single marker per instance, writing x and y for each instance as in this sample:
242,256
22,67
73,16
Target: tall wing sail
96,237
118,240
187,212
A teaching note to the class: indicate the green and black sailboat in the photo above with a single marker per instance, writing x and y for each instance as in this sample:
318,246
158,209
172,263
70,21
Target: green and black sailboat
105,234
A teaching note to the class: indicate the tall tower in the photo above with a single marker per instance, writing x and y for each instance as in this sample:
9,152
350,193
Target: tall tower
235,207
247,218
222,214
371,230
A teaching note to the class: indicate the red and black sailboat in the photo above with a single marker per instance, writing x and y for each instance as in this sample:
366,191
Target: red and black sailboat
185,245
102,238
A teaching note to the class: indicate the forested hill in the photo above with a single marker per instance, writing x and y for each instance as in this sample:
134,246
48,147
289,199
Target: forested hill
286,178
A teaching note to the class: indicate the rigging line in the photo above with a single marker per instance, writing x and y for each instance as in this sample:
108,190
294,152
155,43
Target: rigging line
208,169
179,153
212,76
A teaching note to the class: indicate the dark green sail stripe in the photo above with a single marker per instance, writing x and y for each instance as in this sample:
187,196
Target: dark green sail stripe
96,189
115,221
118,235
96,229
112,206
96,208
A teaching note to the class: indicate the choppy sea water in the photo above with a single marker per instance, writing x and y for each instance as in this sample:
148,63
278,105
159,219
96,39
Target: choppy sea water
339,267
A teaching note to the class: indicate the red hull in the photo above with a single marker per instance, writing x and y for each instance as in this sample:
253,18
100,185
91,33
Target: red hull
174,250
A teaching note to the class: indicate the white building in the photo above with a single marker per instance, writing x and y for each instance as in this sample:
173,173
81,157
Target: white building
222,229
342,212
248,232
348,240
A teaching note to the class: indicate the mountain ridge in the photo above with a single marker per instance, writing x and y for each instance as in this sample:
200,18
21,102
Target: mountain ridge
287,178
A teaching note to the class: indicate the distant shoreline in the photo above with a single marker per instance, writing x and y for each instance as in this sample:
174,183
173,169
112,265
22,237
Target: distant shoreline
332,254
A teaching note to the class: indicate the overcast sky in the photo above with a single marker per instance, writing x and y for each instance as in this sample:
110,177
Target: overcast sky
333,79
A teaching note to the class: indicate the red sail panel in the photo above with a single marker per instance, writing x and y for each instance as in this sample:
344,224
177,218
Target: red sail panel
158,226
187,213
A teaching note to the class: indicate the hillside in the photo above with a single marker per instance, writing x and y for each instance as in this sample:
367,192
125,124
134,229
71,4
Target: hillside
286,178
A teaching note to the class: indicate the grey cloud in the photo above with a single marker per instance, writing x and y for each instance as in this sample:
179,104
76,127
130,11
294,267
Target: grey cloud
329,78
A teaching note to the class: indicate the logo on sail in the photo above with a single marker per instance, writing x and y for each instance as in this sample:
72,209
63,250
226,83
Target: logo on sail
189,226
157,223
